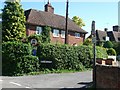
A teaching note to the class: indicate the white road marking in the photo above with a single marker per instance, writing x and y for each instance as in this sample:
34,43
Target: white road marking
1,80
27,87
16,83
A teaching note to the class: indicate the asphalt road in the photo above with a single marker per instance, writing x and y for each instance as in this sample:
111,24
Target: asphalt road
65,80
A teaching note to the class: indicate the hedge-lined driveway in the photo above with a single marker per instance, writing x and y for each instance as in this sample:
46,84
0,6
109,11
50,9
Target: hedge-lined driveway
65,80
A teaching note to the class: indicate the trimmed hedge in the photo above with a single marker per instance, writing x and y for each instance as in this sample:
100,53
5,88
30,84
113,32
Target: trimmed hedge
16,58
69,57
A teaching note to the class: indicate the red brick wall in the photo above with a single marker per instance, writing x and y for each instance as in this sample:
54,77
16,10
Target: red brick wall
107,76
72,39
30,30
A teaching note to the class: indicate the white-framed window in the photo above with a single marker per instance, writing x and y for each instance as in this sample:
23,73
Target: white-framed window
38,30
107,38
77,35
62,34
55,33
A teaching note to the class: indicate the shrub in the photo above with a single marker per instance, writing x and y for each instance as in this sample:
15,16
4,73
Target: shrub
111,51
68,57
16,59
28,64
101,52
87,42
108,44
35,36
116,46
62,56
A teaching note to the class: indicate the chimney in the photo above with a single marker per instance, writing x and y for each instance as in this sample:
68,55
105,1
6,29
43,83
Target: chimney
49,8
116,28
105,29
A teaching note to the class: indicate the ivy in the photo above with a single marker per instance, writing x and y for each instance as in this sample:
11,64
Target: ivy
46,34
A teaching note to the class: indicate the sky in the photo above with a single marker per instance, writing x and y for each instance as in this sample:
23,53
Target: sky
105,14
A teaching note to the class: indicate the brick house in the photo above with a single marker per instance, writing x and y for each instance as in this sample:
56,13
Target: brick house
36,20
102,36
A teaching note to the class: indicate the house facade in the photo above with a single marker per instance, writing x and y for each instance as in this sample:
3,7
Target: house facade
36,20
105,35
109,35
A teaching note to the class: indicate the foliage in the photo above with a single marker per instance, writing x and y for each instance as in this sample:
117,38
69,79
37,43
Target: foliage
68,57
78,21
13,22
35,36
43,38
111,51
46,34
87,42
0,15
16,58
108,44
101,52
100,43
116,46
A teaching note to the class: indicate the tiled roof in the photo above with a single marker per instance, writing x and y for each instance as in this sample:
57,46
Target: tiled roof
113,35
101,35
42,18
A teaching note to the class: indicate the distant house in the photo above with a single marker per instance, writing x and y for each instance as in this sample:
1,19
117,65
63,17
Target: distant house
36,20
114,35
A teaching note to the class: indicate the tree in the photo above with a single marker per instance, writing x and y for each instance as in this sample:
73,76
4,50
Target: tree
108,44
13,21
0,15
78,21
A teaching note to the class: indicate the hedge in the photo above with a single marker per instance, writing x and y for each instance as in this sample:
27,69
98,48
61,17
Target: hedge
69,57
17,59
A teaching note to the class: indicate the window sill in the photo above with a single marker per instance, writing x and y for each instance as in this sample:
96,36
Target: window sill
56,36
63,37
77,37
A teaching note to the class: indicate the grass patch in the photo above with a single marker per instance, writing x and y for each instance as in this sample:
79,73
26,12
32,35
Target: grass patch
47,71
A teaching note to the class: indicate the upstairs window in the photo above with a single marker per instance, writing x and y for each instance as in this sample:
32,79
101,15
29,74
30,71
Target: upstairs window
107,38
77,35
38,30
63,34
55,33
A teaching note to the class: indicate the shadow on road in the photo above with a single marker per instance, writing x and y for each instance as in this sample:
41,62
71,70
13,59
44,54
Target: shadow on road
85,83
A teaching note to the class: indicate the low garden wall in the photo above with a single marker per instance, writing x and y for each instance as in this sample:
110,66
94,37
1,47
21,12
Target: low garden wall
107,76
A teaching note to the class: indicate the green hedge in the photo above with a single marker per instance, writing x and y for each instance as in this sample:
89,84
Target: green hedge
111,51
16,58
69,57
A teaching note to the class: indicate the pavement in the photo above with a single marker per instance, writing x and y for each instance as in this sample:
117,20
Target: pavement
59,81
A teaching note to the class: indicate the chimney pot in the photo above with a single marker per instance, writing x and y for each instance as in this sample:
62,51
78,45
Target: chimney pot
49,8
106,29
116,28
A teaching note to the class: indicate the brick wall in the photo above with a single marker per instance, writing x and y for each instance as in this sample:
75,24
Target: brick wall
107,76
71,39
30,29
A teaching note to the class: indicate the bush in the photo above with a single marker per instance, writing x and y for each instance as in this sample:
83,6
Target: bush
111,51
108,44
69,57
16,59
87,42
116,46
35,36
101,52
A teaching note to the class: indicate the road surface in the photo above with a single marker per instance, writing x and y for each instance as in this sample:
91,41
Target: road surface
64,80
